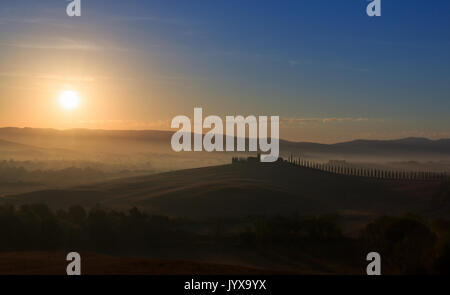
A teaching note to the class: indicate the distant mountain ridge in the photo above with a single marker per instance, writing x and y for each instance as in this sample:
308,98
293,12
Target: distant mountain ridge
404,145
79,138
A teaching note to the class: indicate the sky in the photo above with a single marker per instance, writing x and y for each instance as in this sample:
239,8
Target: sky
327,69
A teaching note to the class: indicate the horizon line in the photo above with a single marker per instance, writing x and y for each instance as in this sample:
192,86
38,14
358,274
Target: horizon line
173,131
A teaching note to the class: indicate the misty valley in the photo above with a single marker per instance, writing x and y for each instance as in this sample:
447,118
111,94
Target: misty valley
123,197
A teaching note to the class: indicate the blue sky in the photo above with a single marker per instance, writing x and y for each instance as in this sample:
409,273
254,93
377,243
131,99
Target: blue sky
330,71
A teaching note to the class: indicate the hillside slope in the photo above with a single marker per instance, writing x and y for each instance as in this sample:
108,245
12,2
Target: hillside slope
250,189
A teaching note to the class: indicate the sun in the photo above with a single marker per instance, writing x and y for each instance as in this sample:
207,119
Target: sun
69,100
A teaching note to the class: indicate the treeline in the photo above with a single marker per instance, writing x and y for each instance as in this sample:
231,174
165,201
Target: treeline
407,244
410,245
13,172
20,174
346,169
36,227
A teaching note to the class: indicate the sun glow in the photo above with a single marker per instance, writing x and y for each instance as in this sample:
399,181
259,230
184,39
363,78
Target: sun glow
69,100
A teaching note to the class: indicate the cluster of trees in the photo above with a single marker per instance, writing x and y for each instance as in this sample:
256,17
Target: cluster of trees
293,230
406,244
36,227
409,244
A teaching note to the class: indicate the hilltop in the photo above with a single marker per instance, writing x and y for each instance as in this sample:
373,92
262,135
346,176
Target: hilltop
239,190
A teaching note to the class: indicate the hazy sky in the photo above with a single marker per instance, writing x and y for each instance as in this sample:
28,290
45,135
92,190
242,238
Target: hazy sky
328,70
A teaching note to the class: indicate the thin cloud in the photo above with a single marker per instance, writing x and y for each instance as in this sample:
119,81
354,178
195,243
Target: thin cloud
163,20
62,78
36,21
338,120
329,120
333,65
63,44
82,47
128,124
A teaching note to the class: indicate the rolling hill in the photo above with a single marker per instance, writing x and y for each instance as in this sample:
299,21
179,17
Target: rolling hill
15,150
239,190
